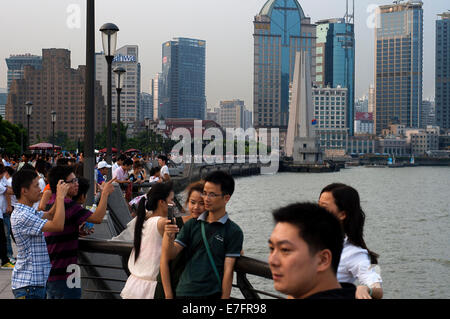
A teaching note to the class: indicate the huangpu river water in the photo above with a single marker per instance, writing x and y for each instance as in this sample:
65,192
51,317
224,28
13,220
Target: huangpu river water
407,221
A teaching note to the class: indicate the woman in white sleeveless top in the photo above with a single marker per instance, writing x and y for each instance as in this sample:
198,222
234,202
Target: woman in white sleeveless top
144,260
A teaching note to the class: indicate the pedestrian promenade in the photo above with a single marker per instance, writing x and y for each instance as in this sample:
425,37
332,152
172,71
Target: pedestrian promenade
5,281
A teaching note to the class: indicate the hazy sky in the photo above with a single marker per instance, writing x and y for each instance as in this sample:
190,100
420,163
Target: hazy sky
226,25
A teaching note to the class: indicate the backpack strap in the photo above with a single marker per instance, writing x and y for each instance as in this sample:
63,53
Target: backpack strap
211,260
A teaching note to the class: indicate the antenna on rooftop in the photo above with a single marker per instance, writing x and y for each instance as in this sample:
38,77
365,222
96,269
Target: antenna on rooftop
349,18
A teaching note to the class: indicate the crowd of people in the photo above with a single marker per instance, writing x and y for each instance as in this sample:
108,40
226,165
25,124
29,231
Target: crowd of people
317,250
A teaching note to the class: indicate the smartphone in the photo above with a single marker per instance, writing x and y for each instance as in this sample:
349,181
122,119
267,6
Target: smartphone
170,213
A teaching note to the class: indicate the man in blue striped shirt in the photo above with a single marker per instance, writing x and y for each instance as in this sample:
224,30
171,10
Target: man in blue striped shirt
33,266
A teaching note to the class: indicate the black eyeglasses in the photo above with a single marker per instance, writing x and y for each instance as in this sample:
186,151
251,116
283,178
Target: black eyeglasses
211,195
73,181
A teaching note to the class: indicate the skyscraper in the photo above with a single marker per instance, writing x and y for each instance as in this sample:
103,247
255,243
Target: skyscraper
126,57
443,71
335,60
182,86
280,30
16,63
399,65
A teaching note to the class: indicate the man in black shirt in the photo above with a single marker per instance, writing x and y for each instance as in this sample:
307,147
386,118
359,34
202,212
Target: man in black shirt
305,249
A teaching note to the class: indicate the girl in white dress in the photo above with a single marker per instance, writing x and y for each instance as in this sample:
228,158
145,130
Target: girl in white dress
357,260
144,260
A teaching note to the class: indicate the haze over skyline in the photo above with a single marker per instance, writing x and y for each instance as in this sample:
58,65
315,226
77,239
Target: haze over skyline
226,26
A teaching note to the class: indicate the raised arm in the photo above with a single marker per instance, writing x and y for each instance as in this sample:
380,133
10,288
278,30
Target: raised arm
57,223
169,251
100,212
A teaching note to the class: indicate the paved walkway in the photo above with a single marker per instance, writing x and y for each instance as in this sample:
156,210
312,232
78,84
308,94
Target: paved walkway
5,281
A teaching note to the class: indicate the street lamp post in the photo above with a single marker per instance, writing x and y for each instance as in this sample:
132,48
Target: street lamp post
119,71
109,40
53,113
29,110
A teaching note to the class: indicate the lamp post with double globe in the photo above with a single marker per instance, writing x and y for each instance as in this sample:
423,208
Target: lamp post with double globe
109,40
53,113
29,110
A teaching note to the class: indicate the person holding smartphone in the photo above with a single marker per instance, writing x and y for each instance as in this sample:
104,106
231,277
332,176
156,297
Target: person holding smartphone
144,260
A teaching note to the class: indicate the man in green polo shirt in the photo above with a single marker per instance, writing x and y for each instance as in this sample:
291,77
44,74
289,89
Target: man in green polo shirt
225,238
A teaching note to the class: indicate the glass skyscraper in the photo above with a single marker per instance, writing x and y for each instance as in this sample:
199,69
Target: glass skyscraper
399,65
335,60
280,30
182,85
443,72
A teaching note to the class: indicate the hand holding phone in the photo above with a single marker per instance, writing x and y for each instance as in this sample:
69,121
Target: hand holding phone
170,213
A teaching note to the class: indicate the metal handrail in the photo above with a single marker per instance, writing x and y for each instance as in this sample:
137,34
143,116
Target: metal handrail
244,265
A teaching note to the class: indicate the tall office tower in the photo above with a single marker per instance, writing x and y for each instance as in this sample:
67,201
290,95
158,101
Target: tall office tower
126,57
280,30
156,83
335,59
55,87
16,63
182,86
146,106
442,90
398,65
428,113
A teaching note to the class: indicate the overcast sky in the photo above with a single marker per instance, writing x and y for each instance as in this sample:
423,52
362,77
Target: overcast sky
226,25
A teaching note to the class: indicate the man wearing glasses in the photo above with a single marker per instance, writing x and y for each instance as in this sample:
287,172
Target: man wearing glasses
207,275
63,246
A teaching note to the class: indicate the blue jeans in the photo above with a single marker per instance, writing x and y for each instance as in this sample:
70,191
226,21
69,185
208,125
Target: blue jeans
59,290
29,292
7,222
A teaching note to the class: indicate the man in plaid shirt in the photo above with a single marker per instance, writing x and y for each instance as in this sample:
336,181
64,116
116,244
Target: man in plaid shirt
33,266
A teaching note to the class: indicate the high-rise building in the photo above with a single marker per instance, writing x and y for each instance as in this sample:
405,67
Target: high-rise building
335,59
126,57
330,112
232,114
16,63
398,65
146,106
3,98
428,113
156,83
55,87
280,30
442,90
371,105
182,86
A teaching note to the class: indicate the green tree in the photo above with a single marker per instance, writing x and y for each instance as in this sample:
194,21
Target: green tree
12,137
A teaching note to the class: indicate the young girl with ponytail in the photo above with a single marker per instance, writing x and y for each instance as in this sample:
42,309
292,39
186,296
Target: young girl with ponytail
144,260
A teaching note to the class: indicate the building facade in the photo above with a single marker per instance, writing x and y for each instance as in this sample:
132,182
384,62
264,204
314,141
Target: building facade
156,82
330,114
364,123
16,64
280,30
3,99
126,57
232,114
146,106
398,65
55,87
442,90
182,86
335,60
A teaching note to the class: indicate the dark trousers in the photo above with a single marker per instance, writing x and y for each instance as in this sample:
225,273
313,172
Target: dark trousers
3,250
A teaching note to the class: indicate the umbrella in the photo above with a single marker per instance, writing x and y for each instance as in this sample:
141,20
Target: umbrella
132,150
104,150
44,146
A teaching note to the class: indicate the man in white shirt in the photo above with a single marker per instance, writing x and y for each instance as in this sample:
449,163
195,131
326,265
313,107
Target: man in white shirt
118,163
164,173
4,260
121,174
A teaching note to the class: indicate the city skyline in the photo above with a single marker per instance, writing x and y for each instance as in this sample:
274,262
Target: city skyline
229,56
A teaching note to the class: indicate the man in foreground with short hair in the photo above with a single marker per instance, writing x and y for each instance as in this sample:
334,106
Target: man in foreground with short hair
305,249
